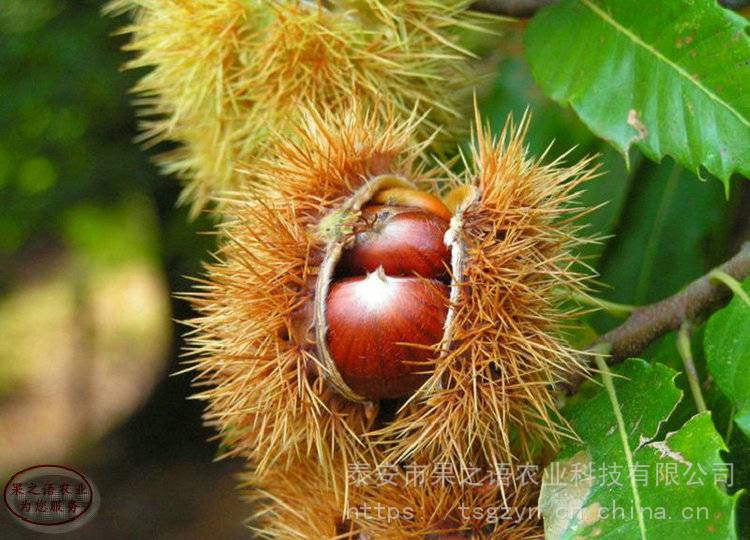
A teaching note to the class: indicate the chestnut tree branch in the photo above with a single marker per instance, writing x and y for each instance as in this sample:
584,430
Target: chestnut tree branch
694,302
526,8
510,8
648,323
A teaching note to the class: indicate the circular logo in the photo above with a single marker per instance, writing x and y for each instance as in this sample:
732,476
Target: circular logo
51,498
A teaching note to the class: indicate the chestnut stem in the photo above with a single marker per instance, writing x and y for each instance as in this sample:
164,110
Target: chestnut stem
693,303
527,8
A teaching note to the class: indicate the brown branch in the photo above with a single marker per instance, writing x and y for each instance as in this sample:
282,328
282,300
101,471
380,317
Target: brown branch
510,8
734,4
702,296
648,323
526,8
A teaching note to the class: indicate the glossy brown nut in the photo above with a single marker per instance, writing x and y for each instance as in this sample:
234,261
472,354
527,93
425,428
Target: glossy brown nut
373,323
404,241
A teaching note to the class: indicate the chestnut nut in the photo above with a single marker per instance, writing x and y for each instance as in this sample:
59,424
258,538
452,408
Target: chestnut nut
403,241
387,307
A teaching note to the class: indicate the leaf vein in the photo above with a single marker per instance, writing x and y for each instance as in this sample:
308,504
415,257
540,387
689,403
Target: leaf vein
607,18
608,384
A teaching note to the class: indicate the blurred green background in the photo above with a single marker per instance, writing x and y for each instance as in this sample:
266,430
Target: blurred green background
92,244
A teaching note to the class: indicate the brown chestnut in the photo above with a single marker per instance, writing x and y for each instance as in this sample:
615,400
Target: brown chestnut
404,241
380,329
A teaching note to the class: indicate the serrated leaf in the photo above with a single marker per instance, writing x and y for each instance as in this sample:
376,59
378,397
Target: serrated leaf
619,483
665,351
671,77
722,412
727,348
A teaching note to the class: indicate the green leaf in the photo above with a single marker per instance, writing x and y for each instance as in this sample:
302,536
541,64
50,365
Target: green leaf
727,347
739,449
672,231
619,483
670,77
722,410
513,92
665,351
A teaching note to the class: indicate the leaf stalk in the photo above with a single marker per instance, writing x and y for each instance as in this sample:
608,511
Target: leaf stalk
686,352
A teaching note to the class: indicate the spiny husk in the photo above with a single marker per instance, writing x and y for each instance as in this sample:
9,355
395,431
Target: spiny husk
264,386
227,76
297,503
514,240
491,395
